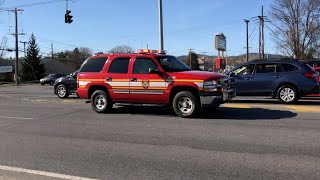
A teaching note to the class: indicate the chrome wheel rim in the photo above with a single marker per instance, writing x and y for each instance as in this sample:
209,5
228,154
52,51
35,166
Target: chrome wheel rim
287,95
185,105
62,91
100,102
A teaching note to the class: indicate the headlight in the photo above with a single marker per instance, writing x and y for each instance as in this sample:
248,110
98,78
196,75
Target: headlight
210,83
211,86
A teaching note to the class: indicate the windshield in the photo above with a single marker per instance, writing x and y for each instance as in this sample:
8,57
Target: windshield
172,64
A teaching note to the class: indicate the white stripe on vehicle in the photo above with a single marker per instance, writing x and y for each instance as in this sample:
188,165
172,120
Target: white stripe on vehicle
118,83
83,83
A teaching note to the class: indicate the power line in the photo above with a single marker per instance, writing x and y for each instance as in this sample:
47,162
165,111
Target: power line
253,31
181,32
31,4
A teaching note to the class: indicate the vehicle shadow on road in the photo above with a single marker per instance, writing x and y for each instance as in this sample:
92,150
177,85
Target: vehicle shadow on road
300,102
248,114
221,113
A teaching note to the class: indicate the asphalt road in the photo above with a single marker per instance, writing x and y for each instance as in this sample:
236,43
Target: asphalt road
250,138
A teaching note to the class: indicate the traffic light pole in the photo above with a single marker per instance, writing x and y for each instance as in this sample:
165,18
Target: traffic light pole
160,27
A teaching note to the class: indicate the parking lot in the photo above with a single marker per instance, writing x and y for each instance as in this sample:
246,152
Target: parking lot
248,138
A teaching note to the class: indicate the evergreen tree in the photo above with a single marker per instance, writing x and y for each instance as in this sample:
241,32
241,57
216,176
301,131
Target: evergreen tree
194,61
32,68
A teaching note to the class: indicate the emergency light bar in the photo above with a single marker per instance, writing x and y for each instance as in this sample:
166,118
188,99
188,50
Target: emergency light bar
148,51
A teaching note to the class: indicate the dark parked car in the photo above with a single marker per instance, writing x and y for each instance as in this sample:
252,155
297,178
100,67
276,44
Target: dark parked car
316,66
64,86
286,79
50,79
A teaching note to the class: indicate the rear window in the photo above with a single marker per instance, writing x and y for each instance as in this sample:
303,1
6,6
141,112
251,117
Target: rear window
309,68
289,67
93,64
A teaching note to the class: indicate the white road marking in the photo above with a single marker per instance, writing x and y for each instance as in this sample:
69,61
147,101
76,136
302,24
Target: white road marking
23,118
42,173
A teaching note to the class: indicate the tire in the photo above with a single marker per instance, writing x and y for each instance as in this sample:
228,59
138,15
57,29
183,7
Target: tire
185,104
42,84
287,94
62,91
101,102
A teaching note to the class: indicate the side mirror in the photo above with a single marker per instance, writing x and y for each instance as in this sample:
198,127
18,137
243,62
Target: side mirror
232,74
154,71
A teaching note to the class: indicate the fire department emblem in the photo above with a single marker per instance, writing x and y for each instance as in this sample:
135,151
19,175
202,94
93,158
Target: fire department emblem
145,83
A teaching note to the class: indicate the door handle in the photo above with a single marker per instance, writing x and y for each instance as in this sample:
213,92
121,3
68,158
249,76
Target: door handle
108,79
276,76
248,78
133,79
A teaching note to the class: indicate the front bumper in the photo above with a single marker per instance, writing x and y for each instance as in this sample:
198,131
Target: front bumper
211,99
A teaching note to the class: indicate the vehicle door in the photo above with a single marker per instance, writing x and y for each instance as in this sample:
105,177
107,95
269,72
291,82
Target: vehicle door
117,79
243,76
265,77
146,82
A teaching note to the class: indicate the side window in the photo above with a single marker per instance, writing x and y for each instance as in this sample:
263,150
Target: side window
244,70
279,68
266,68
119,66
142,65
289,67
93,64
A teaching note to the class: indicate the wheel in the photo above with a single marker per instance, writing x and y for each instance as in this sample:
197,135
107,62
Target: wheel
101,102
62,91
287,94
42,84
185,104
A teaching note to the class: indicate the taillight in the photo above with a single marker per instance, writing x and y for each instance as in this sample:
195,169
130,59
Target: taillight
310,75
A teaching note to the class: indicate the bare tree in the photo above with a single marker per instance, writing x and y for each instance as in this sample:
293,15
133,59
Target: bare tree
297,27
122,49
3,47
74,58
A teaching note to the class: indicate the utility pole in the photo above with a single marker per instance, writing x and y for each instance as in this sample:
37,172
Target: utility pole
247,25
261,34
204,58
160,26
16,34
24,47
51,58
190,60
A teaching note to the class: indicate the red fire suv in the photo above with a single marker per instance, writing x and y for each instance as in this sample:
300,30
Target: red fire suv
148,77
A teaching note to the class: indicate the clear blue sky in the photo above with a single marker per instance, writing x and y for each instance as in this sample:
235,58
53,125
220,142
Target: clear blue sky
103,24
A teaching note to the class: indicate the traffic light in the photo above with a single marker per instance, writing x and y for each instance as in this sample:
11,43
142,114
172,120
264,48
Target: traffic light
68,17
